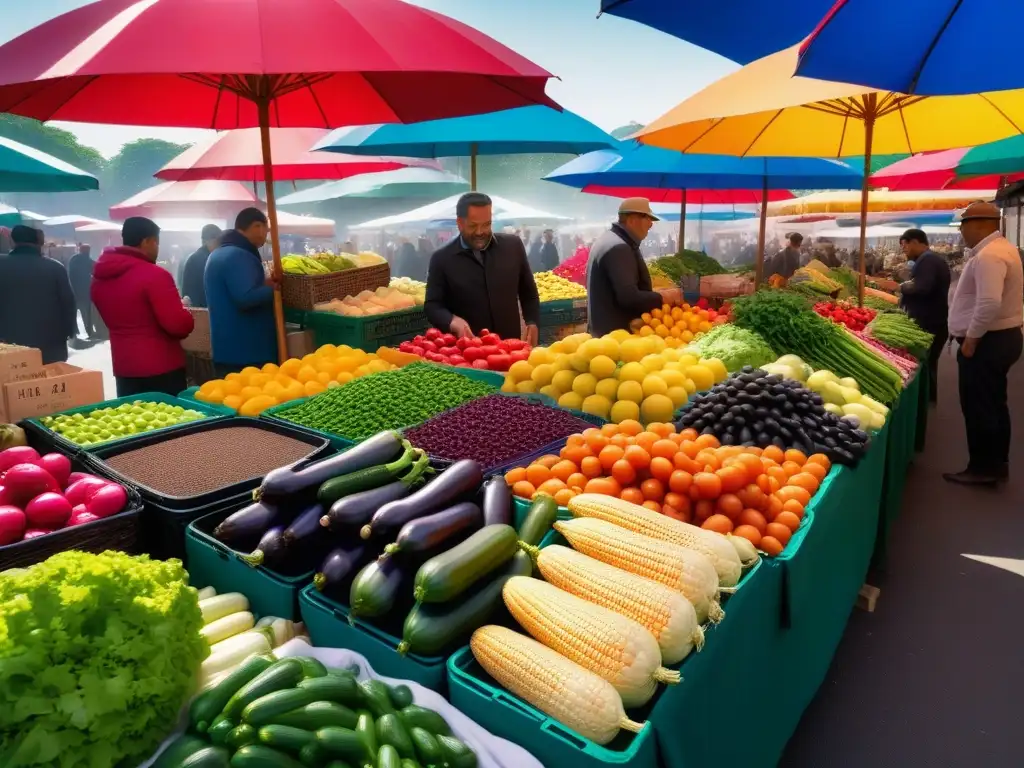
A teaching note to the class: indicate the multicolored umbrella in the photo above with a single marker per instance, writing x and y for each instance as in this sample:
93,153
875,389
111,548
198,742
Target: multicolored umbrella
406,182
25,169
945,170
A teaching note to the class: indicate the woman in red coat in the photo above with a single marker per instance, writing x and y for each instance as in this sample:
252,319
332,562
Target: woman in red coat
140,305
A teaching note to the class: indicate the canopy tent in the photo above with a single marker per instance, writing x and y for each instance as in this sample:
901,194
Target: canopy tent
880,201
852,233
443,211
32,217
71,219
289,223
405,182
187,199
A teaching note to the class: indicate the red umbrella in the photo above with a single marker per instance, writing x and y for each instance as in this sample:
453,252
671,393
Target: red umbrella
226,64
929,171
238,156
693,196
186,200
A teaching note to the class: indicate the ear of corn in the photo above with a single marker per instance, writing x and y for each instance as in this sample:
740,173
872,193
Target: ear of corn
562,689
633,517
684,570
665,613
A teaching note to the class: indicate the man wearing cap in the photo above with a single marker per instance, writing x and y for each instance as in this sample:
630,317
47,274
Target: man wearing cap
619,287
986,318
193,270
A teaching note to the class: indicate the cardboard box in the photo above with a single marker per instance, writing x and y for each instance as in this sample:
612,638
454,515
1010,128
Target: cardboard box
62,386
20,364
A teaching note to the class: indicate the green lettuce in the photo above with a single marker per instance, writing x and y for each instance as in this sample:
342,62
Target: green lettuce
735,347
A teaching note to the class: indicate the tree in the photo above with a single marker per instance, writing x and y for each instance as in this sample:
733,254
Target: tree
131,170
54,141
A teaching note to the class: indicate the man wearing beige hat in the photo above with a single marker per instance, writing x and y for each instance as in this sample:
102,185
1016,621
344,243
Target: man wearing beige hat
619,287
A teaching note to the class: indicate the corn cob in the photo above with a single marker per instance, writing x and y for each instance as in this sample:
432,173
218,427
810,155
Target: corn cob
562,689
684,570
664,612
639,519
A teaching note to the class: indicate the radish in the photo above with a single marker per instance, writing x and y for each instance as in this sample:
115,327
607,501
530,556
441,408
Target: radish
19,454
48,510
6,497
12,524
33,533
74,477
81,516
26,481
59,466
108,500
81,491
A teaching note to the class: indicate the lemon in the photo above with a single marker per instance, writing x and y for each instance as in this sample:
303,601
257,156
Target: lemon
623,410
591,348
584,385
558,348
596,405
673,378
526,387
610,346
653,363
306,373
327,350
632,372
570,400
579,362
702,377
620,335
654,385
687,359
607,388
313,388
630,390
542,374
249,370
551,392
690,386
234,402
232,387
602,366
655,345
678,396
569,345
632,350
256,405
248,392
509,385
717,368
562,381
561,363
539,355
270,368
520,371
656,408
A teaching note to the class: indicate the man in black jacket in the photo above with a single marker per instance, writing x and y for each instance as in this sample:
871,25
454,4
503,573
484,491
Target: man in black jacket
480,279
80,268
193,270
619,285
926,297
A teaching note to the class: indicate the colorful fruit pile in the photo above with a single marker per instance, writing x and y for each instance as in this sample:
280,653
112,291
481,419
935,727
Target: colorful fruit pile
676,325
553,287
759,494
489,352
575,267
843,312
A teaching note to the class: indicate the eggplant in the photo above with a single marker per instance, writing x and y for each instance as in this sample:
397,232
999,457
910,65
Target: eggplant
376,588
304,527
425,533
497,502
247,524
339,565
270,551
309,474
460,481
356,510
371,477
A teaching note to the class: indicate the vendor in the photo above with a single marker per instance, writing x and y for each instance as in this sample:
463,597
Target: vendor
925,297
479,280
619,287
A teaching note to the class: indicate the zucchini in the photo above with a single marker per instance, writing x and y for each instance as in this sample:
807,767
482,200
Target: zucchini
341,689
212,702
285,673
431,628
242,735
218,732
427,748
410,764
286,738
337,764
345,744
388,757
314,756
456,754
178,750
207,757
376,588
267,708
367,732
539,519
451,573
391,731
311,667
497,502
260,756
427,719
319,714
376,698
366,479
401,695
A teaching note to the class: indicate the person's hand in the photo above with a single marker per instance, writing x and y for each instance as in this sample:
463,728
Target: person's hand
968,348
273,280
671,295
532,335
460,328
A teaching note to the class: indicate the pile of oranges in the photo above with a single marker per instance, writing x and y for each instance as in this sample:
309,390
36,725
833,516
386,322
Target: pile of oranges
759,494
678,325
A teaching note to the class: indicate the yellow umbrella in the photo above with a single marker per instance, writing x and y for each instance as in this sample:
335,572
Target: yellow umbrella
762,109
879,201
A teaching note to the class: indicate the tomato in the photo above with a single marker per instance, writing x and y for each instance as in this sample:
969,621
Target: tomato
708,485
405,346
456,360
433,333
473,341
490,339
498,362
429,346
461,343
434,357
481,364
472,354
489,349
519,354
449,339
448,351
515,344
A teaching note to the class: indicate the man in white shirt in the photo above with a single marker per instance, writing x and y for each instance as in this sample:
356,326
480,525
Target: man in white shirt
985,318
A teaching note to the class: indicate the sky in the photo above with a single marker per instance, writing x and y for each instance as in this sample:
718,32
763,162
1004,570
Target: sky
611,71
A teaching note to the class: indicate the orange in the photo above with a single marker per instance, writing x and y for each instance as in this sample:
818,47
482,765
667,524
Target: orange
630,427
564,496
805,480
680,481
646,440
551,487
788,519
536,474
563,470
815,469
707,441
787,492
524,489
513,476
623,472
774,453
632,495
637,457
662,468
591,467
652,489
708,485
664,448
794,455
548,460
609,455
577,480
606,486
791,467
821,459
661,429
597,440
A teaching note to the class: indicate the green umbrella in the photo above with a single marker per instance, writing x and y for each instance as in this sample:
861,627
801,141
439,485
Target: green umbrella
404,182
24,169
997,158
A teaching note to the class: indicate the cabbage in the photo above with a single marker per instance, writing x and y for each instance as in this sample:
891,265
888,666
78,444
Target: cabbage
734,346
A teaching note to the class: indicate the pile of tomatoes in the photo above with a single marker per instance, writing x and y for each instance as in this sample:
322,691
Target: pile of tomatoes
488,351
759,494
843,312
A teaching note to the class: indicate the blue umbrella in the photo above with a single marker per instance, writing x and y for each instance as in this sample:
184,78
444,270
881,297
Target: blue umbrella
741,30
25,169
929,59
526,130
404,182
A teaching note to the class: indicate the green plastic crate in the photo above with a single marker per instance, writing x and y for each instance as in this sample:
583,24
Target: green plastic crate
212,564
563,312
366,333
330,625
190,395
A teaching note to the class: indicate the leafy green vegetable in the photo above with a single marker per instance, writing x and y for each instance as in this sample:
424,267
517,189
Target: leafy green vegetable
734,346
879,305
847,278
899,331
676,266
98,653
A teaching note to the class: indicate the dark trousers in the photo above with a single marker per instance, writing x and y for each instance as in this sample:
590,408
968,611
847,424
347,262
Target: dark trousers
983,398
85,310
170,383
934,353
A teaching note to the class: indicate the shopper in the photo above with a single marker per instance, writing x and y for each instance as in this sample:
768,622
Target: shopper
985,319
925,297
240,297
80,268
140,306
548,252
619,287
37,305
787,261
480,279
194,269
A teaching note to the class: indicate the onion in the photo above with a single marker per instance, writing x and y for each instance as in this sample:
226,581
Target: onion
20,454
82,490
48,510
108,500
12,525
26,481
59,466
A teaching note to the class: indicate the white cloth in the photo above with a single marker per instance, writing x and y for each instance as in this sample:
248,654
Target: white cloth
990,292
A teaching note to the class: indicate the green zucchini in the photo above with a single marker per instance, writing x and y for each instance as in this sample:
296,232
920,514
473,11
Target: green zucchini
345,744
342,689
283,674
390,730
427,719
410,764
376,588
311,667
260,756
401,695
178,750
268,708
319,714
451,573
242,735
218,732
365,479
314,756
367,731
539,519
430,628
286,738
456,754
208,757
376,697
211,703
427,748
388,757
337,764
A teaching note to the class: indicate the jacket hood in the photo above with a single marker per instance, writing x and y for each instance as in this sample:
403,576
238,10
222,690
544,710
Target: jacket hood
118,260
235,239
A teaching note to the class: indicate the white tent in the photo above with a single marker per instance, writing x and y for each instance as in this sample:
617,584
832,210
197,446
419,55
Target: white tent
291,224
444,210
72,218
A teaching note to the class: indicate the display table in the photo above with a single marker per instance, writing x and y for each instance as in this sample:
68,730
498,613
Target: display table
924,401
901,446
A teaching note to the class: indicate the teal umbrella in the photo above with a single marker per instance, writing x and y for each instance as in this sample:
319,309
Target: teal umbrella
24,169
404,182
997,158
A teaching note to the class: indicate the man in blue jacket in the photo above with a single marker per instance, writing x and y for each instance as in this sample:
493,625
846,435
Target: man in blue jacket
240,297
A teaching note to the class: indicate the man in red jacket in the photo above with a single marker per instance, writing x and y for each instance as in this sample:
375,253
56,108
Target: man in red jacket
140,306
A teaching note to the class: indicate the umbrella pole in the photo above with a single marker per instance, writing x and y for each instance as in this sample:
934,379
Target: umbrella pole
761,227
472,167
682,221
275,242
869,132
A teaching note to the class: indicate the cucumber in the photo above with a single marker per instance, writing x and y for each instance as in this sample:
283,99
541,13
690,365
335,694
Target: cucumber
311,667
456,754
286,738
314,756
367,732
178,750
427,719
342,689
451,573
539,519
319,714
260,756
410,764
212,702
376,698
426,746
376,587
337,764
242,735
391,731
208,757
401,695
285,673
388,757
430,628
218,732
268,708
345,744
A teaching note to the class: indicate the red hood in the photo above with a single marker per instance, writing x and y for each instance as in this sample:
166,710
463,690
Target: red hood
118,260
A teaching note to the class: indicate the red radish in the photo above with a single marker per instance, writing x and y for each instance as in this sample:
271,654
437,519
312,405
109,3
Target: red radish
19,454
59,466
48,510
82,517
6,497
26,481
12,525
81,491
33,533
108,500
74,477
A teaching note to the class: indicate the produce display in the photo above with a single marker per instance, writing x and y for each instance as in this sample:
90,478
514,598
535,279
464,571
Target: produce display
687,262
879,304
410,287
201,462
390,400
315,264
897,330
100,653
843,312
659,278
488,351
365,258
813,283
115,422
677,325
900,359
494,430
553,287
734,346
40,495
575,267
377,302
252,390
